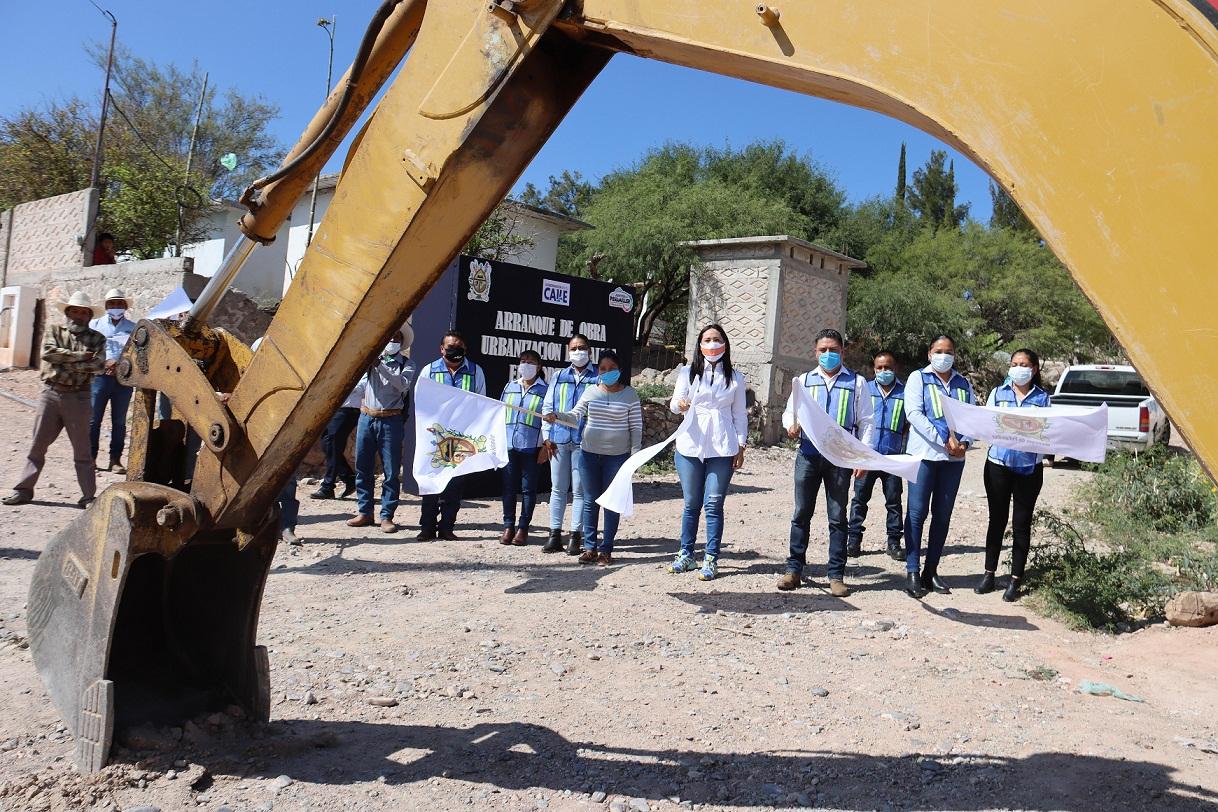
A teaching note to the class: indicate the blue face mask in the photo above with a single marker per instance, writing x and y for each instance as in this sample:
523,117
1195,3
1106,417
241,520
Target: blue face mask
885,377
830,361
611,377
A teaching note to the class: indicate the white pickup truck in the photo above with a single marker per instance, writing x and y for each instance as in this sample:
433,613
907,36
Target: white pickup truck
1135,419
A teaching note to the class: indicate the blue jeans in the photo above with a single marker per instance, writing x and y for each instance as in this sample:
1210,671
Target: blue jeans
107,390
383,436
565,475
704,483
289,505
598,471
934,492
891,483
810,474
520,476
334,444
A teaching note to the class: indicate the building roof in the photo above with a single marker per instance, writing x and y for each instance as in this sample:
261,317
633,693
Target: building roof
775,239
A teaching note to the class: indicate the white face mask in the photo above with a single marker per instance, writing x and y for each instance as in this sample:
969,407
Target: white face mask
392,348
579,358
116,312
1020,375
942,361
527,371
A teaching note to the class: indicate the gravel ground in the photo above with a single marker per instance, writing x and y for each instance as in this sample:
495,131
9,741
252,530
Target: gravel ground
466,675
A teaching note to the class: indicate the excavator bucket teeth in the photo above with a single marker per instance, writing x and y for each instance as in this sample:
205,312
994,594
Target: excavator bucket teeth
132,622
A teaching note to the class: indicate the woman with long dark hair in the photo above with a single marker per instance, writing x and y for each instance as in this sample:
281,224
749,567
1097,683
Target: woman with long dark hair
1013,477
942,453
713,446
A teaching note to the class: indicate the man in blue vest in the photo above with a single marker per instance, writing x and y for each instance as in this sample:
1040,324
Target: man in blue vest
842,394
452,368
382,421
561,444
107,391
887,395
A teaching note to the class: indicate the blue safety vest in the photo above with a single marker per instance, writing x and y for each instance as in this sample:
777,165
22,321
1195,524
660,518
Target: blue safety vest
932,398
837,400
1021,462
567,389
463,378
524,430
890,421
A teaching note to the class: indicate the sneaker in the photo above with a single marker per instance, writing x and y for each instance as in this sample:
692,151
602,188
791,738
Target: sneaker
587,557
789,581
710,568
682,563
604,560
17,498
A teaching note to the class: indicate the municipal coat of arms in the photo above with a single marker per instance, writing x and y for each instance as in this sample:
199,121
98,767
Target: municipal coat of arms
451,448
479,281
1033,428
844,450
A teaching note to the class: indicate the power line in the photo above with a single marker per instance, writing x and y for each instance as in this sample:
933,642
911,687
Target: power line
193,199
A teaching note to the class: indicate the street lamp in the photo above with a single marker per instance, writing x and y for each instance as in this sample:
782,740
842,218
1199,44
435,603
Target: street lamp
329,27
95,172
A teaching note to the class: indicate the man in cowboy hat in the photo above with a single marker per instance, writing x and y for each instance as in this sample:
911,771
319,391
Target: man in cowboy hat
71,355
117,329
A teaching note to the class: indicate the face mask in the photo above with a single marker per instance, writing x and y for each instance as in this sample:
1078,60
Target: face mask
830,361
942,361
713,350
454,353
611,377
392,348
578,358
528,371
885,377
1020,375
116,312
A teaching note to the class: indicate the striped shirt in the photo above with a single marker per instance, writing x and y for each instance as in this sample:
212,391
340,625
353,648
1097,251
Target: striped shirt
614,420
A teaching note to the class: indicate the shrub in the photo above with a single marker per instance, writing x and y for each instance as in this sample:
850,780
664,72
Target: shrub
648,391
1160,490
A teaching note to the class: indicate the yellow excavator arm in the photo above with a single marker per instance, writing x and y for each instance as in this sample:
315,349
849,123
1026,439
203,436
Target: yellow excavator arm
1099,122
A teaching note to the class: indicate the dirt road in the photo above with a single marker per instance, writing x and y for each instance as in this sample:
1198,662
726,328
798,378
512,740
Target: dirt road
466,675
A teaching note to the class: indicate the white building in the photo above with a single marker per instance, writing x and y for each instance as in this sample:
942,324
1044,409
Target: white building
270,268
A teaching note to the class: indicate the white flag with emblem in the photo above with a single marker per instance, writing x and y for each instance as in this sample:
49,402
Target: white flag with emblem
842,448
455,432
1067,431
619,496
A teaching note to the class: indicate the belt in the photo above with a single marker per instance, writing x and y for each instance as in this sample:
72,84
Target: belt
380,412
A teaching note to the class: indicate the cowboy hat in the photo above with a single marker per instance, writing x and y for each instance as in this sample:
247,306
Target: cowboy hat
77,299
116,293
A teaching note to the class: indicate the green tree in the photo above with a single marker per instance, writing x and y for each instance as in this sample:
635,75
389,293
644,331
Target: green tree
567,194
49,151
901,176
932,195
1005,212
500,237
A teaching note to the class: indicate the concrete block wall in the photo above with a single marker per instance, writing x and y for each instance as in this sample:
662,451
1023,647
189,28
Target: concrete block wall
48,233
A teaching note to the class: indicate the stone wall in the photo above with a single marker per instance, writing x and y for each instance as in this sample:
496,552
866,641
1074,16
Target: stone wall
48,233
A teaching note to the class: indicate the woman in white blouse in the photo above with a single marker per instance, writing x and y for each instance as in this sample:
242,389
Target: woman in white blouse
711,448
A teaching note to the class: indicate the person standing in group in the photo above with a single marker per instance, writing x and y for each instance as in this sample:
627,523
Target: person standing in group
381,424
843,394
612,432
117,329
334,444
888,437
712,393
1013,477
528,391
452,368
71,355
561,445
942,454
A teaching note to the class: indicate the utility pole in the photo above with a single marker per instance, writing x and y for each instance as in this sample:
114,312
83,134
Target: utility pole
95,172
330,26
190,157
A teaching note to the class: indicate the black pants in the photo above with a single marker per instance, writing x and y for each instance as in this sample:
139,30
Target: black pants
1002,487
334,444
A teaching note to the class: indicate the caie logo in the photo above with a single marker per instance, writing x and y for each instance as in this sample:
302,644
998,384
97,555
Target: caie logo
622,299
556,293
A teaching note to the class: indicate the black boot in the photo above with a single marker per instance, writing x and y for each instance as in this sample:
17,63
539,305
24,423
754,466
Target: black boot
987,584
554,545
913,586
894,550
932,583
1012,593
854,548
575,543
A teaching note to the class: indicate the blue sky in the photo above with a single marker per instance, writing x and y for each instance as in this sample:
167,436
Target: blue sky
274,48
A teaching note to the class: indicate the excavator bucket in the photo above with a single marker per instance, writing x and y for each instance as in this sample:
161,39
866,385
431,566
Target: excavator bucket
137,618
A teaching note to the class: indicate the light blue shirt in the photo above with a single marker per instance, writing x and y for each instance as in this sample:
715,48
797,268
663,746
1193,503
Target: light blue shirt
117,334
387,385
924,442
